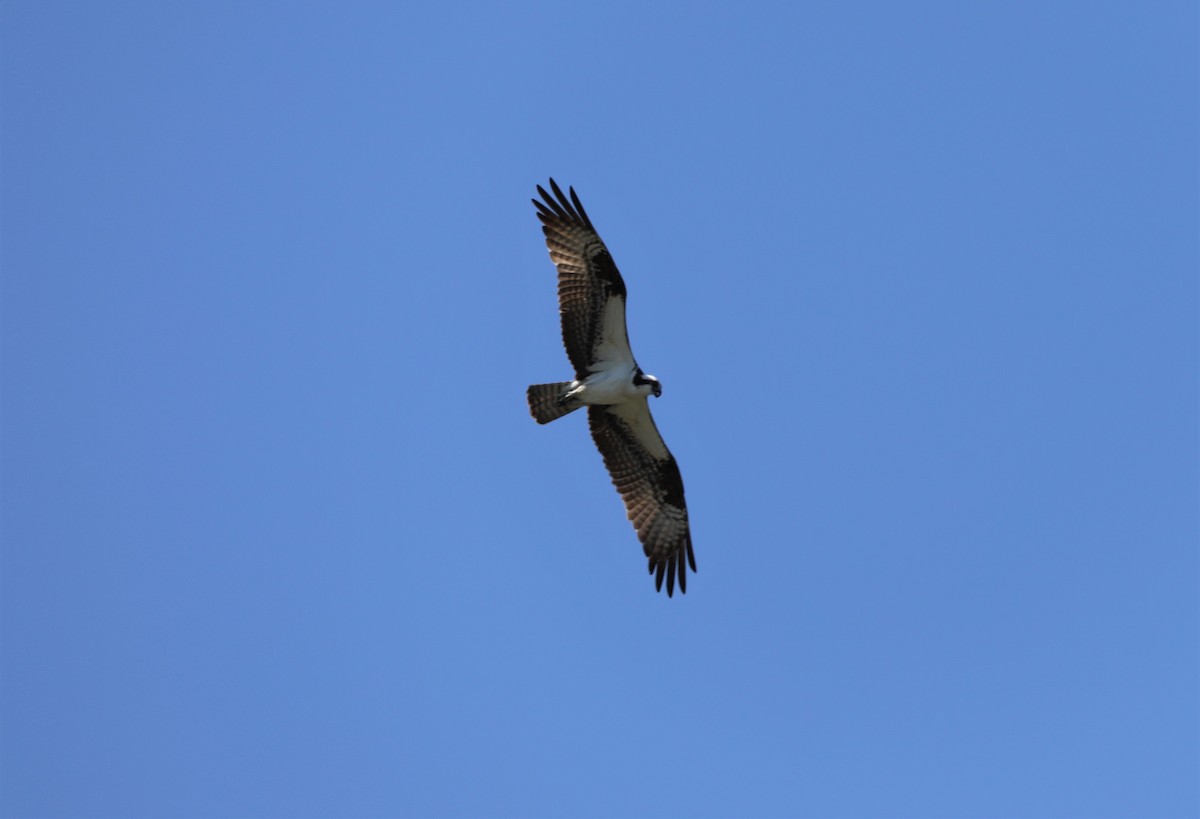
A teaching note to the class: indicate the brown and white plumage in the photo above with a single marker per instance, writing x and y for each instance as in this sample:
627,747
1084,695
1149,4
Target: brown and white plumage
591,299
591,292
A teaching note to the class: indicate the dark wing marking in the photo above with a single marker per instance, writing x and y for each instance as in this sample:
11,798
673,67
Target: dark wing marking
591,292
646,475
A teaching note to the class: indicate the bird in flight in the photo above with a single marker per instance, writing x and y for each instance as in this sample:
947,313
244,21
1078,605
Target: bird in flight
609,382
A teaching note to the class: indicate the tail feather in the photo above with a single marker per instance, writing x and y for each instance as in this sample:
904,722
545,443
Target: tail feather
545,402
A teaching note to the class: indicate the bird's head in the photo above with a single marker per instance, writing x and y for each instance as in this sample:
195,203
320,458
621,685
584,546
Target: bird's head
641,379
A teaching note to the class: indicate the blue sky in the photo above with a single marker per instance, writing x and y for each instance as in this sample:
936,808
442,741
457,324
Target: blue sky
280,539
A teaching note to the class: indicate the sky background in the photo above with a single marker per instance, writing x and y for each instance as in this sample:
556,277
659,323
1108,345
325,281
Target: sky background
281,540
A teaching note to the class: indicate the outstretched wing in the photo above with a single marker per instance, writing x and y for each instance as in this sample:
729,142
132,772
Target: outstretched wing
591,293
646,475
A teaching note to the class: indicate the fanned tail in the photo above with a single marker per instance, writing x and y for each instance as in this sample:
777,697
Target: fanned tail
546,404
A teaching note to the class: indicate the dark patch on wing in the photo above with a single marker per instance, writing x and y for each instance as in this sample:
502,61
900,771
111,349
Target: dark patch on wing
587,275
671,482
652,489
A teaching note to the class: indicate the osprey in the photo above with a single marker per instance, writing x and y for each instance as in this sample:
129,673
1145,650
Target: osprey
609,382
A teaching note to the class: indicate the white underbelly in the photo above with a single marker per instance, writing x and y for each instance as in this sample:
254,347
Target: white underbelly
608,387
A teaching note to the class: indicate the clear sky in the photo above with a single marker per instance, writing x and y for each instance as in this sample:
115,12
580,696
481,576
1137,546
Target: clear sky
280,538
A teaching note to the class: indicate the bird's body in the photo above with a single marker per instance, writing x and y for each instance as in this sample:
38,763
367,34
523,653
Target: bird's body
610,383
